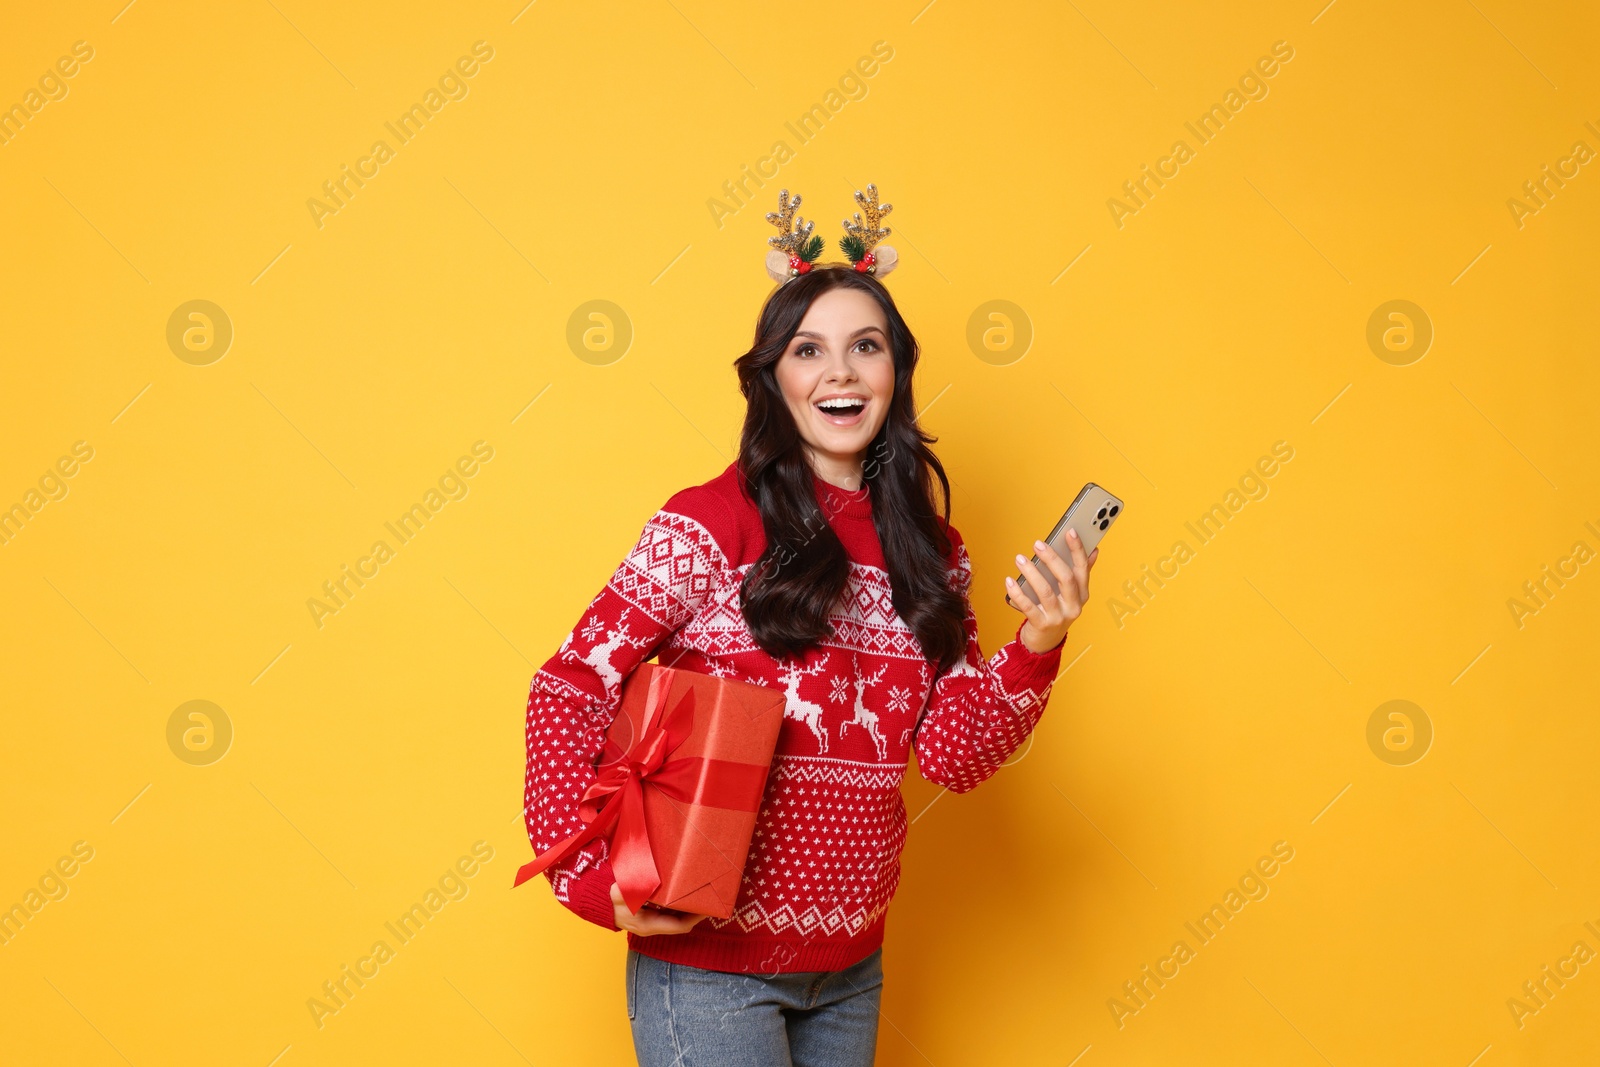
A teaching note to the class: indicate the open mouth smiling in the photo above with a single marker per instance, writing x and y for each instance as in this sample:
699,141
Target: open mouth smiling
843,409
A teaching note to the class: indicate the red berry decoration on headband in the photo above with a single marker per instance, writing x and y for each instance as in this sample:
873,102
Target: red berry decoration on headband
798,265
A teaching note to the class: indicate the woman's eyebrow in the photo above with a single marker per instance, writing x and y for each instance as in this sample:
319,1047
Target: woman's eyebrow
858,333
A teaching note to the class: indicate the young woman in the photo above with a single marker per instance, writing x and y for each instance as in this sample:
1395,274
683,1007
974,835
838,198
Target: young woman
815,564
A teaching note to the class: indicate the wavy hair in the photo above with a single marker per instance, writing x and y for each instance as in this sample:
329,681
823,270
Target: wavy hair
800,577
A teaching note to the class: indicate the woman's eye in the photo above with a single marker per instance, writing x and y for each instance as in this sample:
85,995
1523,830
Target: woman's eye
809,349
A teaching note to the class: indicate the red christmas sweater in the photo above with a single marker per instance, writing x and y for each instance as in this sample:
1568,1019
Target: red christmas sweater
824,862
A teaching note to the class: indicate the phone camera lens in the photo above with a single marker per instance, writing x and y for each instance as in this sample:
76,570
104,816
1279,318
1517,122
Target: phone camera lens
1115,508
1102,514
1104,523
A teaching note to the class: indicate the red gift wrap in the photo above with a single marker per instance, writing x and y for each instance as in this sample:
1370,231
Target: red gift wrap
678,785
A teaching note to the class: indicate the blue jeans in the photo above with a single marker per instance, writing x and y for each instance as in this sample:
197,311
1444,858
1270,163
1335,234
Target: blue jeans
685,1016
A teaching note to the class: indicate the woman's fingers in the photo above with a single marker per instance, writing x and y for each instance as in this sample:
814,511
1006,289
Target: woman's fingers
1036,579
1072,581
1030,608
1075,547
1068,575
1083,577
654,922
1080,565
1018,599
1036,611
647,922
1067,578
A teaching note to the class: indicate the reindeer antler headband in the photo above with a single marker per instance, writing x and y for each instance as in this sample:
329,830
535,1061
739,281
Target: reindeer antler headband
795,250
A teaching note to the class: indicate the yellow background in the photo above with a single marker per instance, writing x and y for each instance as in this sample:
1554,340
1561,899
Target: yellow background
1229,313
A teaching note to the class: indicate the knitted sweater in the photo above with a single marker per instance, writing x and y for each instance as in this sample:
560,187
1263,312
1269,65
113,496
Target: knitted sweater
824,861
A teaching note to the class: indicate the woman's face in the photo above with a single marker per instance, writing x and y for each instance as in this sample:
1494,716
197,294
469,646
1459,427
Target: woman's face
838,376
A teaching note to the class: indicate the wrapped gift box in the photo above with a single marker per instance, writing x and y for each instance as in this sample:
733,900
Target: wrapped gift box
678,786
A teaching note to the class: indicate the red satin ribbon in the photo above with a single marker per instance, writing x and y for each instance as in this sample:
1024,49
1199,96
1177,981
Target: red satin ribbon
616,797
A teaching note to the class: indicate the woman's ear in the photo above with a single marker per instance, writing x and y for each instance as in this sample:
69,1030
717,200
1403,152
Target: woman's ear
887,259
778,265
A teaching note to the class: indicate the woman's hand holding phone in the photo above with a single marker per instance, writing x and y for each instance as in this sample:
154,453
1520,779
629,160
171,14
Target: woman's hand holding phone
649,919
1048,621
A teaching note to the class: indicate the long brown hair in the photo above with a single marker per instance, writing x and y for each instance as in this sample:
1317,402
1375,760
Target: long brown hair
790,590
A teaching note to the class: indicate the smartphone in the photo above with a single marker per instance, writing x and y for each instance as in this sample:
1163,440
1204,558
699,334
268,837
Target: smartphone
1091,514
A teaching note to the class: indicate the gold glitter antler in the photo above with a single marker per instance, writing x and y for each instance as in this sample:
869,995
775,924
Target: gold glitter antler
793,231
868,232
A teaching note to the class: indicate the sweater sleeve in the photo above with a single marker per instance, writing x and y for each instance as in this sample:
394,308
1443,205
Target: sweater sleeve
670,573
981,710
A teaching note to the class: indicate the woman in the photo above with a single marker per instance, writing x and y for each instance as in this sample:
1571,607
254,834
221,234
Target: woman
815,564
